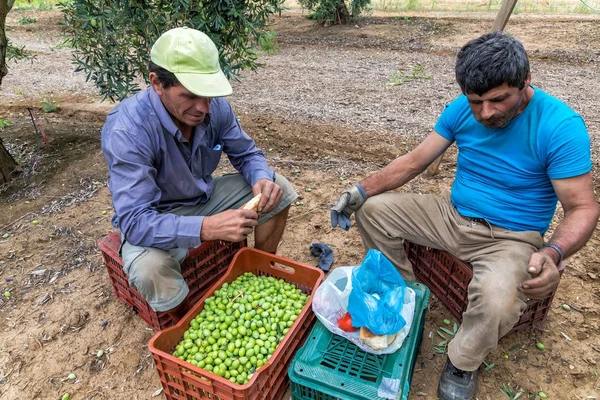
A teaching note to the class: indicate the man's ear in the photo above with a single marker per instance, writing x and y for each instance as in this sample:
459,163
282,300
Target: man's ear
155,83
528,79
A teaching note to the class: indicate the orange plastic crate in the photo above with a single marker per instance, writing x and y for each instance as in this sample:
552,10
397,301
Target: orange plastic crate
201,269
182,380
448,278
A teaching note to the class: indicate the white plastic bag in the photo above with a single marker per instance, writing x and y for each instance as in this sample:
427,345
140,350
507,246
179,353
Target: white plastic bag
331,303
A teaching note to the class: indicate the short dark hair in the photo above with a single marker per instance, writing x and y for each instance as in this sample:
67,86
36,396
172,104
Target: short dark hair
490,61
166,78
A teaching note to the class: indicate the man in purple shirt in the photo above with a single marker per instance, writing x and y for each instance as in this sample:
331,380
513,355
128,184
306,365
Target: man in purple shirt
162,147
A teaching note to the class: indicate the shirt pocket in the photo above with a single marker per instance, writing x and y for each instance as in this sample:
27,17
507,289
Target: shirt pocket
210,159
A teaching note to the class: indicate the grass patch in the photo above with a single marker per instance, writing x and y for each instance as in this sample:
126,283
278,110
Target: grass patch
523,6
26,20
403,75
268,42
40,5
17,53
49,106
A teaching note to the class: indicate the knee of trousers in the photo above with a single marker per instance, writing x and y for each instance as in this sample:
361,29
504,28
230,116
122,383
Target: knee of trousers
503,307
147,272
289,193
366,212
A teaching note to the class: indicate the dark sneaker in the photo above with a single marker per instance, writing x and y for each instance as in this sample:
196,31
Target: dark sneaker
456,384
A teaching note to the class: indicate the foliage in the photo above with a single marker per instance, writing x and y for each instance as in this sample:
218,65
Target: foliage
488,366
40,5
49,106
268,42
402,76
442,347
515,394
26,20
16,53
510,393
4,123
112,38
491,6
63,43
335,11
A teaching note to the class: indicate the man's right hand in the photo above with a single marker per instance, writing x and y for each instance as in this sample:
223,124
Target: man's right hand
230,225
349,201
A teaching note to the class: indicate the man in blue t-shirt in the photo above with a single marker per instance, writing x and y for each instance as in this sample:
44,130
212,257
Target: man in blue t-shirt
519,151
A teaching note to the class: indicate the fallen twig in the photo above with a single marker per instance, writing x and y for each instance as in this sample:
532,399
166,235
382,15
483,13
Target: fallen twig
307,212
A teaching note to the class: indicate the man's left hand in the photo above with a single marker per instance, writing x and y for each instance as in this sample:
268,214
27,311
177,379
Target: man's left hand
544,274
271,195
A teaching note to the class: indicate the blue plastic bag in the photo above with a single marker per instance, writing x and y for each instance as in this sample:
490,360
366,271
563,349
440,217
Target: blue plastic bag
377,295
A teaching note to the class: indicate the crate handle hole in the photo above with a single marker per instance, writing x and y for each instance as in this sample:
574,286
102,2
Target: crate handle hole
284,268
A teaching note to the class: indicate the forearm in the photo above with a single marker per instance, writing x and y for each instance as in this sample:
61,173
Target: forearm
392,176
255,168
574,230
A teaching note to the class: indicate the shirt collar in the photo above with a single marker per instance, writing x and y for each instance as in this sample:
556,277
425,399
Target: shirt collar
161,112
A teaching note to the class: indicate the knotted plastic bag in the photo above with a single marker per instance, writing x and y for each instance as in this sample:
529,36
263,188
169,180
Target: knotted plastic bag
377,295
330,303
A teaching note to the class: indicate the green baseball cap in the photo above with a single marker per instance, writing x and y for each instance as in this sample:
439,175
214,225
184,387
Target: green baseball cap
194,59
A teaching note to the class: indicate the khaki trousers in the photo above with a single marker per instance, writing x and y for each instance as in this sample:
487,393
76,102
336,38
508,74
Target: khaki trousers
499,257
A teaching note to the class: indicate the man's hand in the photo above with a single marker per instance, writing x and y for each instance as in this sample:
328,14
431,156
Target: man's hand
350,201
271,195
230,225
544,274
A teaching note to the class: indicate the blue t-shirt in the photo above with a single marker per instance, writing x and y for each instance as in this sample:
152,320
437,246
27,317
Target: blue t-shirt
503,175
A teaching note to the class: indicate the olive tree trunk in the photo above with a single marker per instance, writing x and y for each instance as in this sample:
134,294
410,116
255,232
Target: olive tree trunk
8,165
342,14
5,6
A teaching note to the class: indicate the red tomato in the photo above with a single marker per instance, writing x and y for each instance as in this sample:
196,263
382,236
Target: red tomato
345,323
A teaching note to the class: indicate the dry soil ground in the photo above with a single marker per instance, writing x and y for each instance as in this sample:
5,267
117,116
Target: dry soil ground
322,111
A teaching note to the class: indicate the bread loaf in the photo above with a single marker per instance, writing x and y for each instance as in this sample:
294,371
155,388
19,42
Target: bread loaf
253,203
376,342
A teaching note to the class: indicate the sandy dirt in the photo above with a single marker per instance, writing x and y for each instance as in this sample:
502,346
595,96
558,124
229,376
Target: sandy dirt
322,111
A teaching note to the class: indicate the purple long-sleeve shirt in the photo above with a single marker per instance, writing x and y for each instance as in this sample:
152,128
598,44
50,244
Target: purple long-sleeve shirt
153,169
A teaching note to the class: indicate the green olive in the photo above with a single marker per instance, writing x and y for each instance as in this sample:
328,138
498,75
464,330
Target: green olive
540,346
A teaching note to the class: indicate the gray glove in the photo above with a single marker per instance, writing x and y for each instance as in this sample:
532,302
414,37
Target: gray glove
350,201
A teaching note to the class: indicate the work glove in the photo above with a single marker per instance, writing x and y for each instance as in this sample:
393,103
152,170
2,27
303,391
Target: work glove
324,253
350,201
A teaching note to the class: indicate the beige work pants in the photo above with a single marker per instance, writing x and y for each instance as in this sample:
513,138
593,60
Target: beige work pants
499,257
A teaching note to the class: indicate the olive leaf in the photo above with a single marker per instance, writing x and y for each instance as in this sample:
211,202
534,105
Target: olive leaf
111,39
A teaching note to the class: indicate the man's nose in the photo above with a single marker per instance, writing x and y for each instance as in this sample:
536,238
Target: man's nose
487,110
203,105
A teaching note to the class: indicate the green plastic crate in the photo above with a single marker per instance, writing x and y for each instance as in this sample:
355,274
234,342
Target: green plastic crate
329,367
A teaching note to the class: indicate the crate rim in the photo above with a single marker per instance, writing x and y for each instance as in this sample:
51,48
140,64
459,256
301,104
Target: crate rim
209,292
